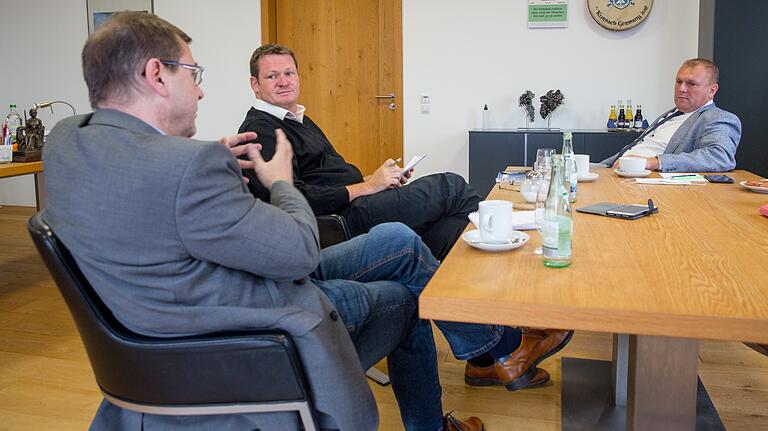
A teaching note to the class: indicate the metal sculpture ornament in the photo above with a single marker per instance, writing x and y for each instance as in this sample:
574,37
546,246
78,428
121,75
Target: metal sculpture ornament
526,101
619,15
550,102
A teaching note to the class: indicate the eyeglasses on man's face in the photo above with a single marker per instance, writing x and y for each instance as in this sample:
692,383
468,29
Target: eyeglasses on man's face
197,71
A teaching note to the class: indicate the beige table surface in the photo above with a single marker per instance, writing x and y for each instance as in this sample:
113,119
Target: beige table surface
697,269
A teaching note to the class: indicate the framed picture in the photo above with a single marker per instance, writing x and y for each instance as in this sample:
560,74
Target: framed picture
99,11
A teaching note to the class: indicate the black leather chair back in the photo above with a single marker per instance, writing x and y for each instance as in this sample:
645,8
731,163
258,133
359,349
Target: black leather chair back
333,229
237,367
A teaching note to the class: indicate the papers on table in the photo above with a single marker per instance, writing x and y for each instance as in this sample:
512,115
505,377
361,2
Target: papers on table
662,181
510,177
674,179
521,220
678,176
512,174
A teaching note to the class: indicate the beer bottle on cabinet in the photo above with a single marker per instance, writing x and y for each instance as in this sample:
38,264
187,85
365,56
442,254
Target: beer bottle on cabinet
639,118
622,123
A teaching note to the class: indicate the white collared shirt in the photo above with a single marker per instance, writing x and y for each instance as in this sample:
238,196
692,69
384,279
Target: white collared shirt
279,112
656,142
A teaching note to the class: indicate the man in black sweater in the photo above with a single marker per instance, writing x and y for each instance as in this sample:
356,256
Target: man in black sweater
435,206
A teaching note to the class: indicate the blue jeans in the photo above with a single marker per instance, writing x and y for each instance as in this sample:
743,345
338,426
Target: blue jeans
374,281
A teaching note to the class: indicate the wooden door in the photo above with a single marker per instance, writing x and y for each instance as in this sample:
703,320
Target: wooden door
349,52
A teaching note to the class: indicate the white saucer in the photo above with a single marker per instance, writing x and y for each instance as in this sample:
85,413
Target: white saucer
473,239
591,176
640,174
756,189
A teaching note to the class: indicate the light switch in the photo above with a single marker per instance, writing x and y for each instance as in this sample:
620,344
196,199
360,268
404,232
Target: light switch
425,107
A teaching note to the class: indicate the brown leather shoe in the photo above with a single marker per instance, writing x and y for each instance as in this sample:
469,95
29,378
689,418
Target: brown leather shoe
514,371
760,348
547,342
469,424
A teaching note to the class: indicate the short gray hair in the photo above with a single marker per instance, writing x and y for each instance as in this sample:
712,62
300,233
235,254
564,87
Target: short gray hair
714,71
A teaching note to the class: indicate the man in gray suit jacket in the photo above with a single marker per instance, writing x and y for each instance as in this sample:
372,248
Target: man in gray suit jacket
173,242
695,136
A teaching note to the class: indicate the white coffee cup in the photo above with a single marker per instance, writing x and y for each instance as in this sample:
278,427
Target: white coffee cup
6,153
632,165
495,221
582,164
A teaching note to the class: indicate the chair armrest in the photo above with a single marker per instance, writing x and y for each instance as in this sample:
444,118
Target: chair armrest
333,229
241,367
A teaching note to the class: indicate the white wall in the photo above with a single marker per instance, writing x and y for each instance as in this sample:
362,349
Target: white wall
47,36
223,39
464,55
50,34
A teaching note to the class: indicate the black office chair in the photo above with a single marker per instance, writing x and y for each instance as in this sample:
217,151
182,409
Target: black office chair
197,375
333,229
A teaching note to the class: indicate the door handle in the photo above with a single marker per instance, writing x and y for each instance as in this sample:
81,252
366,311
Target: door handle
390,96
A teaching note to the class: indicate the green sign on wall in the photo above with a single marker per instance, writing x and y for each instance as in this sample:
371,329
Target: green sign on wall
547,13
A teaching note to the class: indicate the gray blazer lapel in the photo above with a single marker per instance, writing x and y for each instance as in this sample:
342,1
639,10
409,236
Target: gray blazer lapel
682,135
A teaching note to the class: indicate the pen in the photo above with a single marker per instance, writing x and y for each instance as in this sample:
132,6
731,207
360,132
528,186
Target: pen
674,177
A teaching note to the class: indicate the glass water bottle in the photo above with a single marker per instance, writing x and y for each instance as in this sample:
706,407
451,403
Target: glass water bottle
557,227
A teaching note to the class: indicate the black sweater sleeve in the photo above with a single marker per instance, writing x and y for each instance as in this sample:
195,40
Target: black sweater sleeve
325,195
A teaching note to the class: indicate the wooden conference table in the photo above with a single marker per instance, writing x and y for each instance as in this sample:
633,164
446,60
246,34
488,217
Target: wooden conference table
698,269
15,169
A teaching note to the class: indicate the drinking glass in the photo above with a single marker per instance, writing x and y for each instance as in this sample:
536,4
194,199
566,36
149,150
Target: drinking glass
541,200
543,162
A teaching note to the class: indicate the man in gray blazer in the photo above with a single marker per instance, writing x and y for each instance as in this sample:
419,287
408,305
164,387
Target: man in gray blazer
173,242
695,136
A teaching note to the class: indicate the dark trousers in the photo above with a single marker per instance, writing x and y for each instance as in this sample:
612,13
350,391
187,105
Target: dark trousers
435,207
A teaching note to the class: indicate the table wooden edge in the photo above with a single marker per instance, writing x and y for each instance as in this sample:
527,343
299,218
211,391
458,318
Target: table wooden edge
598,320
15,169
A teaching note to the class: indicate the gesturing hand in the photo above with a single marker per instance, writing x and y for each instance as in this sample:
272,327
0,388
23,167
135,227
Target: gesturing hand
232,143
281,165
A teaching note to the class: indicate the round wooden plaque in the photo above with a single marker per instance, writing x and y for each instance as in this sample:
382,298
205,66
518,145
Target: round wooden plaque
619,15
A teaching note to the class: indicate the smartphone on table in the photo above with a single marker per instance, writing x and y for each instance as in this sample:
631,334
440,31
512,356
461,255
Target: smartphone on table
719,179
630,212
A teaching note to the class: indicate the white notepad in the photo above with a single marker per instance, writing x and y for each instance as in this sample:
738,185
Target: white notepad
412,163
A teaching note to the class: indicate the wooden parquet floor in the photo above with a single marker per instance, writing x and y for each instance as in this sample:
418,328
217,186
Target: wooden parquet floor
46,381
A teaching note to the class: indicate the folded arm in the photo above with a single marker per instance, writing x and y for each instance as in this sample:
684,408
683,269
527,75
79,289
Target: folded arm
714,150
